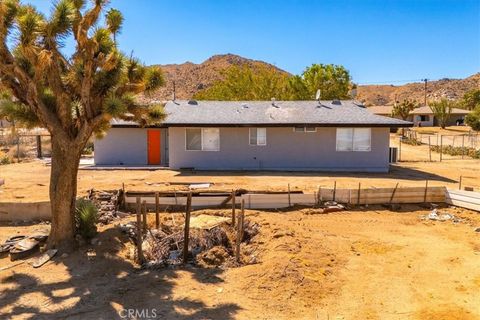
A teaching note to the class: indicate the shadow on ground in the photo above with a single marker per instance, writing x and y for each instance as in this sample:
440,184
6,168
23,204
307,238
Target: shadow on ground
100,288
396,172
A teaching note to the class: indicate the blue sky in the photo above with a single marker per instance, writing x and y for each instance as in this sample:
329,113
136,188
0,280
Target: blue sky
379,41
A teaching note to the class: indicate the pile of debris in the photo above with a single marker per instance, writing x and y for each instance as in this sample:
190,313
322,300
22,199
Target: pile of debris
326,207
107,203
433,215
210,246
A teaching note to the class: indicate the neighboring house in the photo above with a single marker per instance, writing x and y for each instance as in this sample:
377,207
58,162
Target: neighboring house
423,116
255,135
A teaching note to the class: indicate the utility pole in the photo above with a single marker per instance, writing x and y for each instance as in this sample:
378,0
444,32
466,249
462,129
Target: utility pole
174,89
425,80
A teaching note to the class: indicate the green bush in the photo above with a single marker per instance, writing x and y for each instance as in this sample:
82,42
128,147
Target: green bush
411,141
473,119
86,216
4,158
88,150
458,151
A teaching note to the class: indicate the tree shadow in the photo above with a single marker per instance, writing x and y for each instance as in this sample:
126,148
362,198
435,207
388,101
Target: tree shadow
108,287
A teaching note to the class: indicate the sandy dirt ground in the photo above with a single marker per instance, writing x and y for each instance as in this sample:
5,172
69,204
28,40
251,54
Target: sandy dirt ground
29,181
367,264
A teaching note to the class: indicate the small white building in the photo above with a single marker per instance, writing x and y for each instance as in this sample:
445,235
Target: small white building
423,116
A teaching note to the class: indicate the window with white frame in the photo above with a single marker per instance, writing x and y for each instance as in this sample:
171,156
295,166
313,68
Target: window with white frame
202,139
258,136
354,139
305,129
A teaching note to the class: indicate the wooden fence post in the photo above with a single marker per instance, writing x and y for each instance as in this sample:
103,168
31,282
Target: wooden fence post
157,211
186,233
429,149
426,190
334,189
400,149
318,195
234,192
39,146
393,193
144,215
463,146
239,231
140,257
289,199
460,183
358,195
18,148
441,147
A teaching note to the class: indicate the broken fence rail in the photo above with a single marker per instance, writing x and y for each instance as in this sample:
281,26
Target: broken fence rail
284,200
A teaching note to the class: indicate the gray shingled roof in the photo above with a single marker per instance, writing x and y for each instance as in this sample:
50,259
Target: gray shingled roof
268,113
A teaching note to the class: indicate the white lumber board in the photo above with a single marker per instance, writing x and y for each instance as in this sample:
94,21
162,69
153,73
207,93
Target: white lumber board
463,199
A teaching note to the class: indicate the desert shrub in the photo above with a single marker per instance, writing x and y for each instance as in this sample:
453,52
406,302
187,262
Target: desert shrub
473,119
458,151
412,141
88,150
4,158
17,152
86,216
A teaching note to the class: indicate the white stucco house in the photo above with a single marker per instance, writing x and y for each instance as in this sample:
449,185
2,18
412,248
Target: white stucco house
254,135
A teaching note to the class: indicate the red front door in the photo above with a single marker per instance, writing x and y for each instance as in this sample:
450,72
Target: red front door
153,142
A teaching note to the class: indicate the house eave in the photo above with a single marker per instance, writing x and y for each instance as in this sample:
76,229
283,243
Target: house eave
275,125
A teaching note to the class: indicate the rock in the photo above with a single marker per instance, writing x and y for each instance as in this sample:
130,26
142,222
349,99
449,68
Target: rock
214,257
282,233
477,230
81,242
122,214
253,260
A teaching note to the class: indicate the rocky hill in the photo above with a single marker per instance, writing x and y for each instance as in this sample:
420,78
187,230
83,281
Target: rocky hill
444,88
190,78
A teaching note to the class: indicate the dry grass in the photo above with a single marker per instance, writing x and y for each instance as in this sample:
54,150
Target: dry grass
372,264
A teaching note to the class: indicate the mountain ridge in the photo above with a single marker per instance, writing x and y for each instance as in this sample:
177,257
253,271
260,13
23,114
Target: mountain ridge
190,78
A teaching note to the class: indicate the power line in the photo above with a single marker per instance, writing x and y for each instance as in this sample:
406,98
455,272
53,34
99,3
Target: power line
395,81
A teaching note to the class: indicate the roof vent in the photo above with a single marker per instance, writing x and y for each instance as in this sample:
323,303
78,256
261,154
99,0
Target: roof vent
193,102
337,102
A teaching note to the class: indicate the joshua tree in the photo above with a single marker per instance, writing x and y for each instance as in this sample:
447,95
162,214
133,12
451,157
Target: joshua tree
442,110
72,97
403,109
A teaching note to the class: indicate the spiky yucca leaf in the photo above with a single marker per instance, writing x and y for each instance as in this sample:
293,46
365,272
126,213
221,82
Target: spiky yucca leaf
115,106
154,78
18,112
61,21
114,19
104,42
86,215
30,26
156,114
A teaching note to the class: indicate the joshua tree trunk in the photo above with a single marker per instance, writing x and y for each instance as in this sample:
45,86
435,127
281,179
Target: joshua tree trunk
63,192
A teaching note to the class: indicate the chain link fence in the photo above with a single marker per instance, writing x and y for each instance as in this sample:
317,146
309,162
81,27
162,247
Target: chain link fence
439,147
18,145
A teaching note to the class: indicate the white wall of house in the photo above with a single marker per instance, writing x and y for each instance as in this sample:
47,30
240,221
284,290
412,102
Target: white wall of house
285,149
423,120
